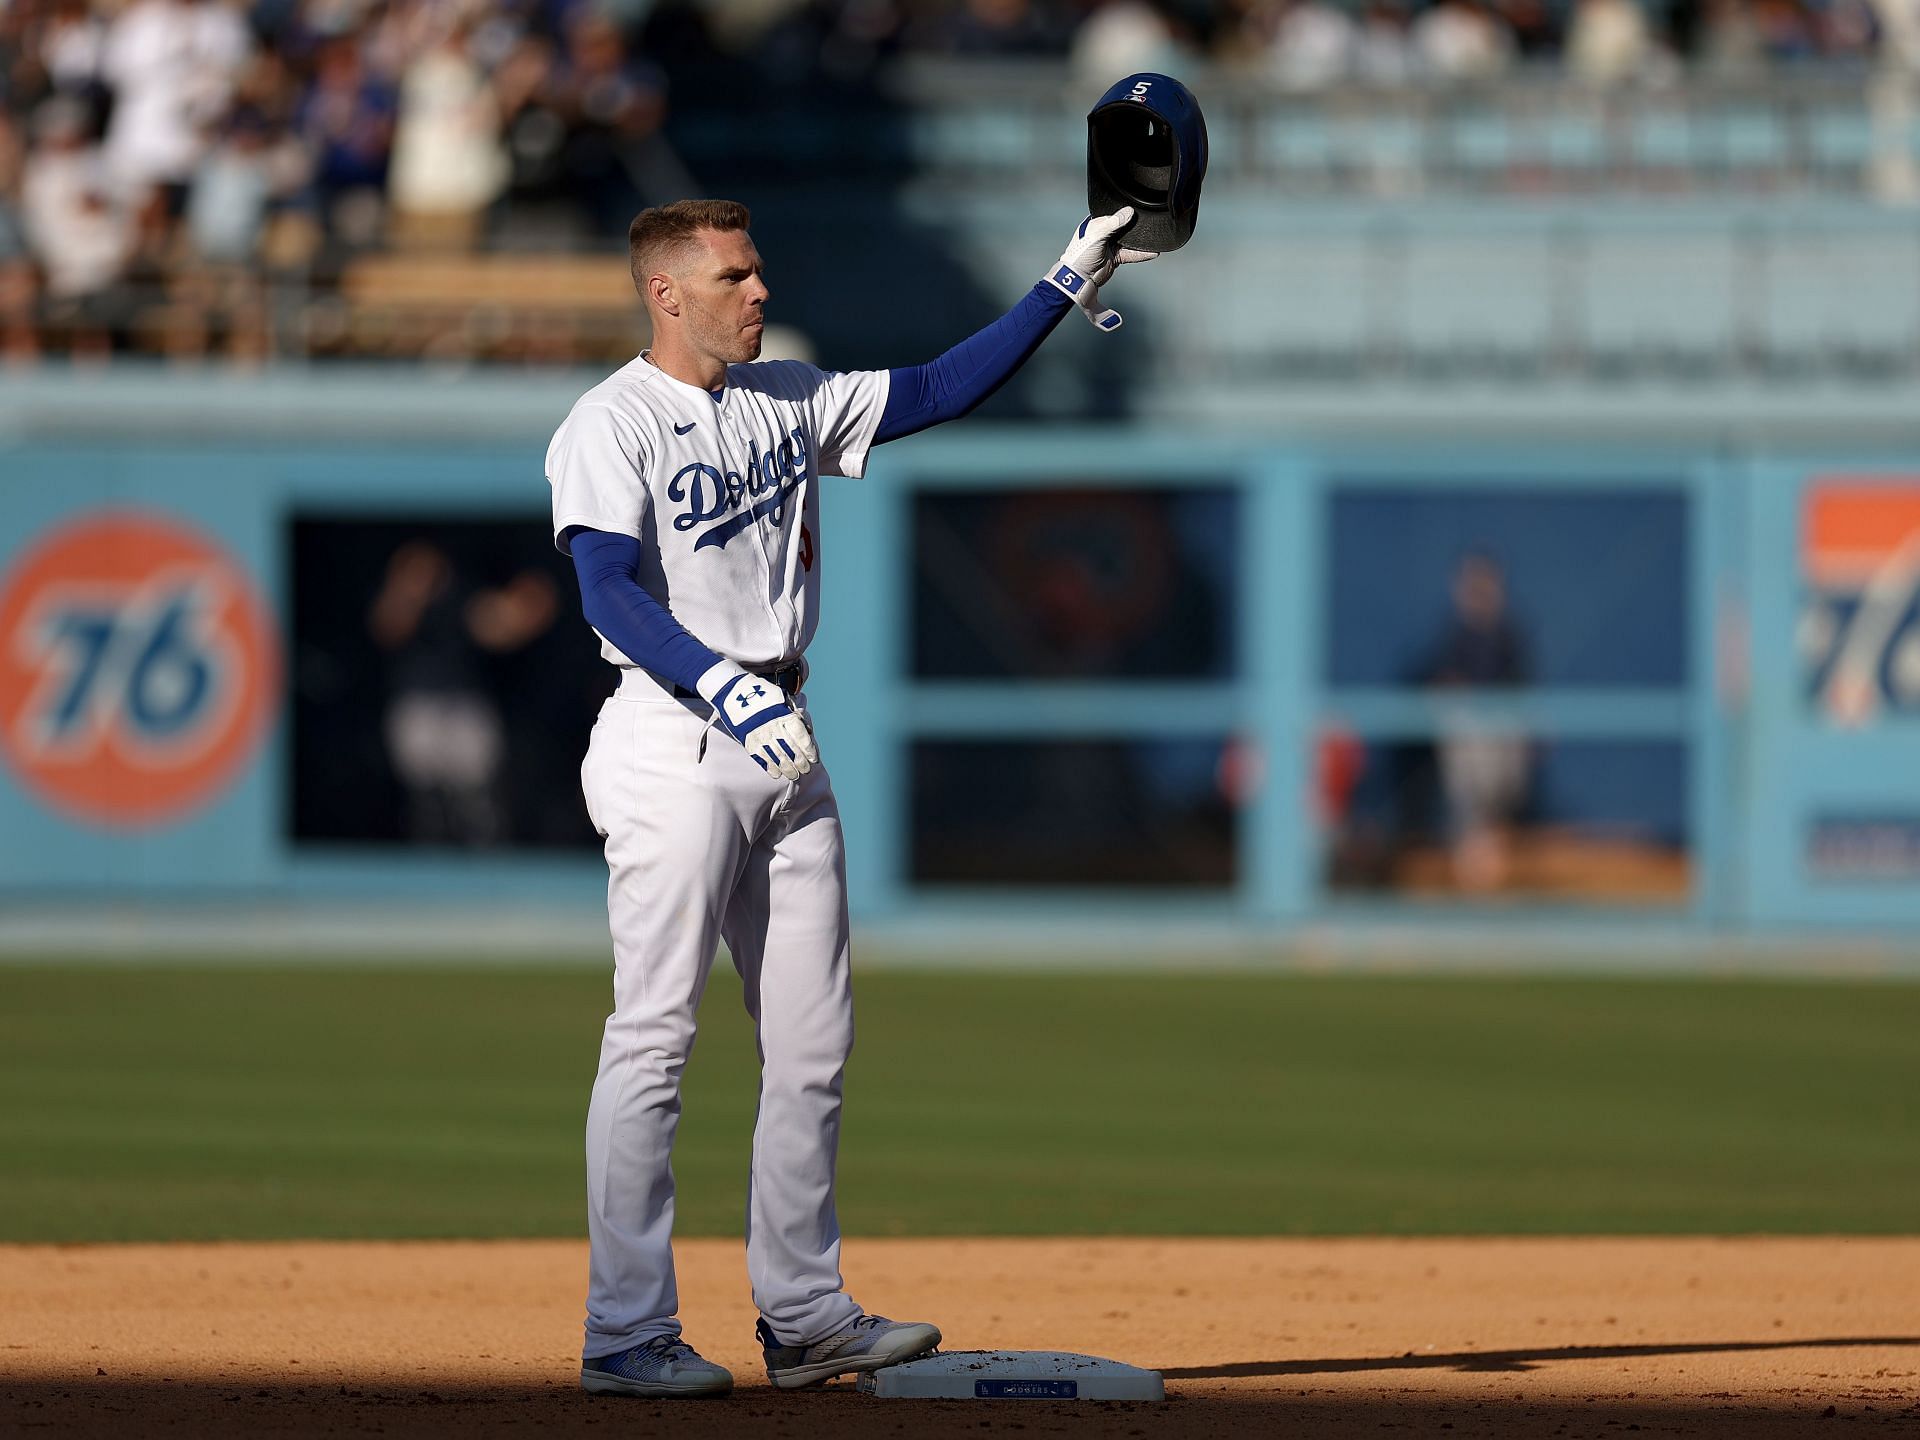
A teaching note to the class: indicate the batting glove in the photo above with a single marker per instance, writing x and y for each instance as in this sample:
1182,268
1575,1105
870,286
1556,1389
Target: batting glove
758,714
1089,262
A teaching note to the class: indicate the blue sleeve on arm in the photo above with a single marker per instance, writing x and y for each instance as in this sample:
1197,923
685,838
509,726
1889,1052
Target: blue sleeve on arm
638,624
947,388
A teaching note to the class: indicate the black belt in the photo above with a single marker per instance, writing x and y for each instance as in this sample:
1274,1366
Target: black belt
789,677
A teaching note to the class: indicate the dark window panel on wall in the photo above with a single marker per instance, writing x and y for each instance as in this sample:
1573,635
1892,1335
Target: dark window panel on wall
1074,584
1155,813
442,686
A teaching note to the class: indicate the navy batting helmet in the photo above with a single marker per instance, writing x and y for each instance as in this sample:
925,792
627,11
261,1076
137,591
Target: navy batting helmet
1147,147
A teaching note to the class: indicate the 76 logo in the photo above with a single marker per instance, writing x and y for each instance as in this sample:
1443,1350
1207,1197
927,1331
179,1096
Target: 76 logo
148,665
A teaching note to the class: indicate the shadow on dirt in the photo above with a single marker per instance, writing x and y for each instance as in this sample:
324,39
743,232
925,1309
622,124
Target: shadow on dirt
1515,1360
101,1406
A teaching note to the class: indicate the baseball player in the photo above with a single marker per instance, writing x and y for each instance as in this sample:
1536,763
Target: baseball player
686,488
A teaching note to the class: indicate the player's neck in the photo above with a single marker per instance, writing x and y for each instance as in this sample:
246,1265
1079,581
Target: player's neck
689,367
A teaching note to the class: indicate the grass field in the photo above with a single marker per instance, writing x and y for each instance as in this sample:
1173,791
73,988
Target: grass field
239,1102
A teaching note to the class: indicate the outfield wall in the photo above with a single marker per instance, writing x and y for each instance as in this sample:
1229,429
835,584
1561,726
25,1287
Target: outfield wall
1156,673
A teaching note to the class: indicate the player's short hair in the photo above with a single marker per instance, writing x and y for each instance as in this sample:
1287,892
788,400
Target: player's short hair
655,234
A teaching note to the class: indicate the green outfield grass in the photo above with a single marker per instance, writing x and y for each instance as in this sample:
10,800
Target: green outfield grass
237,1102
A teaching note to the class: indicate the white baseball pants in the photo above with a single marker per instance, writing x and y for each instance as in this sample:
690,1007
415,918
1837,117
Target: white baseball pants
700,850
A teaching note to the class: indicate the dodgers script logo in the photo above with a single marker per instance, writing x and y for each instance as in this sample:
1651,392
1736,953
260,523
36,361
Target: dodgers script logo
1860,618
709,494
138,668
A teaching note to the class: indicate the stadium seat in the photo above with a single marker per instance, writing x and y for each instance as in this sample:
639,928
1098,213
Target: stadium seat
1480,298
1838,298
1661,296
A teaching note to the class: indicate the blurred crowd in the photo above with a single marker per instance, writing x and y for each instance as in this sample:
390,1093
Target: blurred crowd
162,161
164,164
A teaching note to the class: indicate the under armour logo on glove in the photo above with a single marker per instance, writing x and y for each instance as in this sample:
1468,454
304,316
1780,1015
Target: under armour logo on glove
762,719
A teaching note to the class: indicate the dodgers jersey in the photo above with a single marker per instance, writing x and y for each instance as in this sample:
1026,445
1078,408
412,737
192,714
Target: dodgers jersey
722,491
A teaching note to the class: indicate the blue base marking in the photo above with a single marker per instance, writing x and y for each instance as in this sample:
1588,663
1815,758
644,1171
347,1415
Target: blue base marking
1025,1389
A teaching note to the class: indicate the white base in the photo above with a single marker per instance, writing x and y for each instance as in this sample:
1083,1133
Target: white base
1013,1375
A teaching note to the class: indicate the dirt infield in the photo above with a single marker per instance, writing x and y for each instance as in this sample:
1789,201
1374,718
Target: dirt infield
1590,1337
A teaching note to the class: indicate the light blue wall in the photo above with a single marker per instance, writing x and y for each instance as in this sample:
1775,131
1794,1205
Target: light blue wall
1763,762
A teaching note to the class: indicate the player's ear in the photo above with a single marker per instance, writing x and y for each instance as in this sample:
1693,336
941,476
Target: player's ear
664,293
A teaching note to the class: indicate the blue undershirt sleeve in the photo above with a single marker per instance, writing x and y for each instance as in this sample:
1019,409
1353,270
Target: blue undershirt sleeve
639,626
920,396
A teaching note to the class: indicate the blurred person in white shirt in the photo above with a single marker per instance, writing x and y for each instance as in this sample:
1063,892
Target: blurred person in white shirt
1610,43
79,230
1314,45
449,161
171,65
1458,41
1124,37
72,47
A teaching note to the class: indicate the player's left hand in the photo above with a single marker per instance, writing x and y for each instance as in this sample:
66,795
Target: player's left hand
760,715
1089,261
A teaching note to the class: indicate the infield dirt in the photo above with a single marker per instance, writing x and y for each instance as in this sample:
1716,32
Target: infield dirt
1577,1337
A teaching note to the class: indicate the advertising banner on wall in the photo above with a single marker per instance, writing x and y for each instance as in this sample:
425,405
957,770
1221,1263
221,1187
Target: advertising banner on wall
139,668
1835,718
141,675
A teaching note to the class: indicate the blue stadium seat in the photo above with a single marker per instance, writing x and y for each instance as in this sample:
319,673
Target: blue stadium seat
1480,142
1480,297
1663,141
1839,141
1297,143
1846,297
1752,140
1660,294
1311,307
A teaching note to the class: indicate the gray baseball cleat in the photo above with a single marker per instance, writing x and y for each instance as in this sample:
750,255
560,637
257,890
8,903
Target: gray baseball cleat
662,1367
872,1342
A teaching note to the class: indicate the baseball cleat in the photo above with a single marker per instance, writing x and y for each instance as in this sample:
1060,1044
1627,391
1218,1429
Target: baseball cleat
872,1342
662,1367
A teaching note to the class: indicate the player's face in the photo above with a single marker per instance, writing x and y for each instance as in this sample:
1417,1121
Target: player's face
726,298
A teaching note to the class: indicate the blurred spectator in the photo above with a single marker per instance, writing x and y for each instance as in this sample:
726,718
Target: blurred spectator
171,65
1457,41
72,54
444,731
219,288
1121,37
232,188
1729,43
613,107
1484,774
77,225
348,122
1788,30
1535,25
19,282
1314,45
1609,42
995,27
1383,54
448,161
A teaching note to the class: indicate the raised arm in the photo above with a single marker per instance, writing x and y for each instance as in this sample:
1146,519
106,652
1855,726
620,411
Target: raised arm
920,396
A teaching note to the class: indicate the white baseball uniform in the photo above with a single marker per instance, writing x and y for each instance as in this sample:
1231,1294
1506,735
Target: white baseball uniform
702,844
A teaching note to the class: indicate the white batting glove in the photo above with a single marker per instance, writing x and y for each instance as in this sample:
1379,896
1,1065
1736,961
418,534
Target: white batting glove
758,714
1089,262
